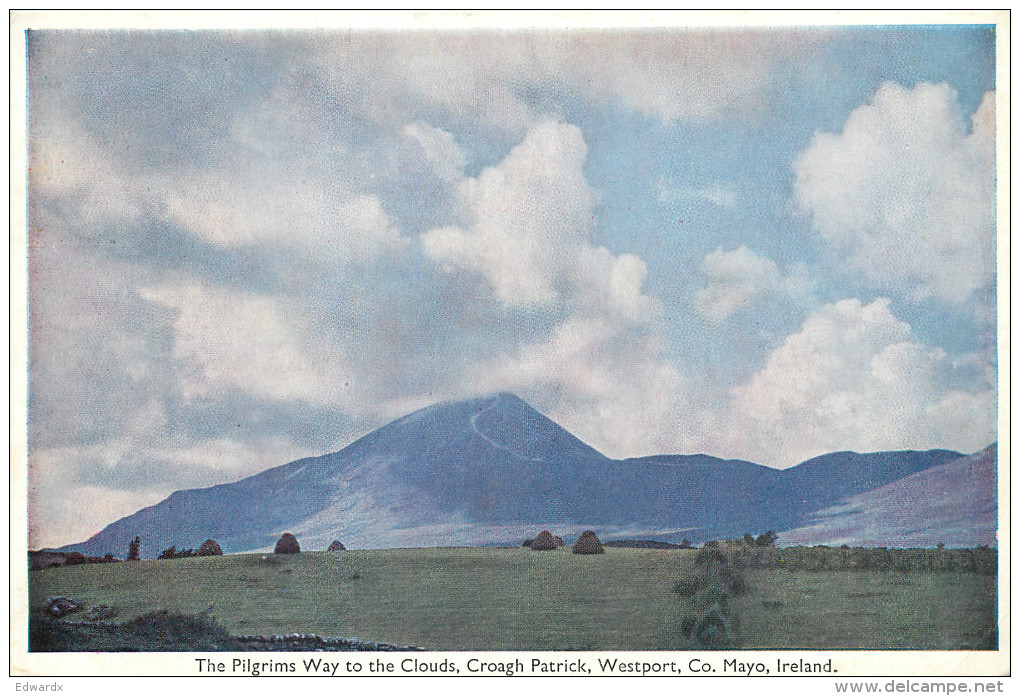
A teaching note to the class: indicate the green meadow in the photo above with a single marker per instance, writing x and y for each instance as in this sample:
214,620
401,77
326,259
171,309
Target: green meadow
518,599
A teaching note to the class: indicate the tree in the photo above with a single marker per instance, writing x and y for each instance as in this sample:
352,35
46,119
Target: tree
767,539
133,549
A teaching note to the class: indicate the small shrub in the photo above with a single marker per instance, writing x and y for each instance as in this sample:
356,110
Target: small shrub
686,587
736,584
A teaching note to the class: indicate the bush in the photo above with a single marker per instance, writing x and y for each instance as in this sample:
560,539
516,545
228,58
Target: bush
686,587
172,552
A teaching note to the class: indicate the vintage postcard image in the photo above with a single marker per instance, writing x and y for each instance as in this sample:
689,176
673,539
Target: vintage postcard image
500,334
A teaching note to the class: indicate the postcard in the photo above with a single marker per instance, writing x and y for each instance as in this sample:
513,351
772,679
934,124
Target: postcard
510,344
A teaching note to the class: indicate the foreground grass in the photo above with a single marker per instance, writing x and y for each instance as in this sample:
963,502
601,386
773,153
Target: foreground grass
872,609
517,599
494,599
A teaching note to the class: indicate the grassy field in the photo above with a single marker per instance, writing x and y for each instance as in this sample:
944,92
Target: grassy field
850,609
517,599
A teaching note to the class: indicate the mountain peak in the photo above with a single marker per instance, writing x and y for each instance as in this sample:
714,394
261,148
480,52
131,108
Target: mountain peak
490,469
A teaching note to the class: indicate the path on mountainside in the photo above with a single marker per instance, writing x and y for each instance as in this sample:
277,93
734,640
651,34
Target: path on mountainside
501,448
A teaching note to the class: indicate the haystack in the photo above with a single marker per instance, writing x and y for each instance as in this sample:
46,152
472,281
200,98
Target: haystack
210,548
288,543
558,541
336,546
544,542
588,543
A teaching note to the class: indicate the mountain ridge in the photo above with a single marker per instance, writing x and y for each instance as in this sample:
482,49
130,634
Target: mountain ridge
488,471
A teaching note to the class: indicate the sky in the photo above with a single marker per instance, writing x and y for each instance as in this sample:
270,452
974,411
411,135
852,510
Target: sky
249,247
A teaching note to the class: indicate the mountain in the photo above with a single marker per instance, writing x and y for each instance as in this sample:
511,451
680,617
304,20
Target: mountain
952,503
492,471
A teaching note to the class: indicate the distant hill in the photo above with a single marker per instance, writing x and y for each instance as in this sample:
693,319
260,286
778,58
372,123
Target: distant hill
641,544
493,471
952,503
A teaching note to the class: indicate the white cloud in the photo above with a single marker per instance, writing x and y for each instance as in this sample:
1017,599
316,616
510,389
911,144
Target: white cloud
440,149
854,378
250,198
299,210
671,74
739,278
66,162
527,223
605,382
906,193
258,344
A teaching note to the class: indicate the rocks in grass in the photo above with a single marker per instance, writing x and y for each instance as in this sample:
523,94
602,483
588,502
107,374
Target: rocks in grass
288,543
61,606
587,543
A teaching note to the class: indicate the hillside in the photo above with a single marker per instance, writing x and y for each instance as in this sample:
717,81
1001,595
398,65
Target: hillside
492,471
952,503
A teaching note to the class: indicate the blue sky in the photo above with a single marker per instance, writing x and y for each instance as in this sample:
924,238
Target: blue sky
247,248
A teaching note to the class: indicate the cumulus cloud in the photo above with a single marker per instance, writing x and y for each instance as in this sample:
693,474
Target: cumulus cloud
508,79
254,343
906,191
855,378
606,382
739,278
527,224
246,195
440,149
301,210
